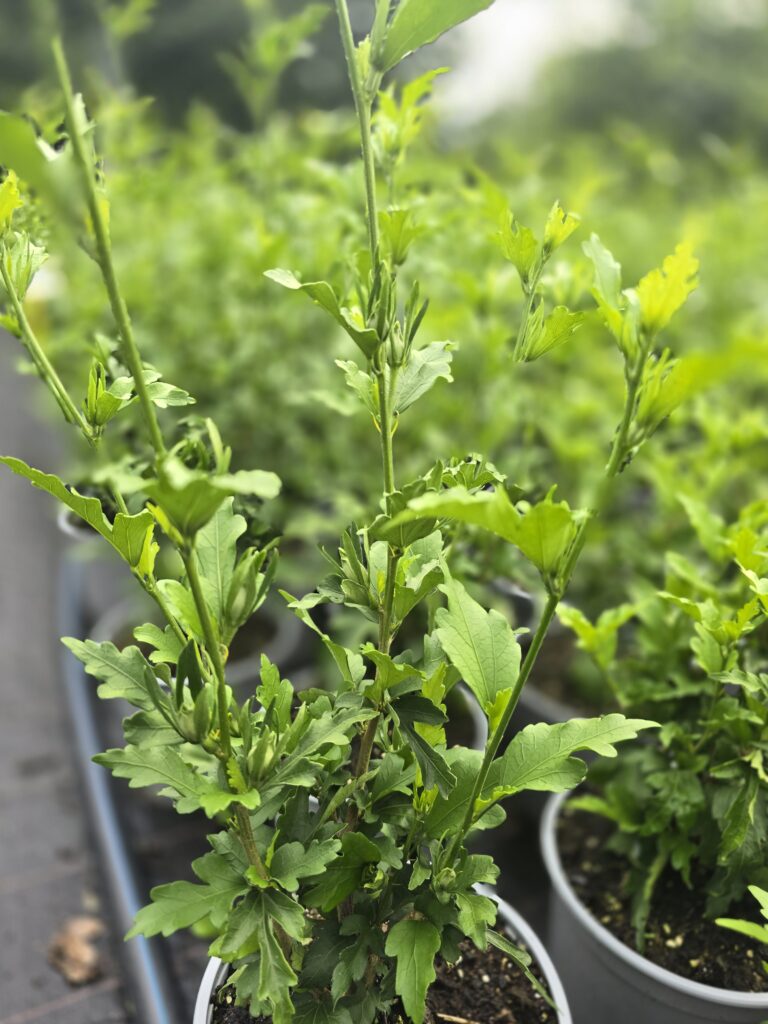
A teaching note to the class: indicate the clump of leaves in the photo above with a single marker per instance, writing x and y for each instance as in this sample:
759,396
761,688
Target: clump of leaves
340,871
694,801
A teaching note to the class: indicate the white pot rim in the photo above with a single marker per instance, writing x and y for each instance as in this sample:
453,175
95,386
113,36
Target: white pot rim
559,880
216,972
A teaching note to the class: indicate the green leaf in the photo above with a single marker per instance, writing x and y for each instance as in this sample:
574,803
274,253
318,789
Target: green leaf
540,756
190,497
447,813
129,534
216,553
10,199
519,245
183,606
480,644
152,766
758,932
182,904
662,292
122,673
292,861
738,818
363,384
344,874
366,339
22,259
316,1012
607,282
476,914
414,944
541,335
51,175
523,961
434,768
606,288
425,366
251,928
418,22
601,638
559,227
543,532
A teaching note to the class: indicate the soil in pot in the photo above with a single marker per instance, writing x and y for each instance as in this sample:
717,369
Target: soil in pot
482,988
680,938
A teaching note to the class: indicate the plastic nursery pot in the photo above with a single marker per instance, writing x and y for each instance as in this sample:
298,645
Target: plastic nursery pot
608,981
520,931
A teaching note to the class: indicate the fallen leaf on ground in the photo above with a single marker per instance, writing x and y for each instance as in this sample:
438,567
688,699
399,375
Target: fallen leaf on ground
73,951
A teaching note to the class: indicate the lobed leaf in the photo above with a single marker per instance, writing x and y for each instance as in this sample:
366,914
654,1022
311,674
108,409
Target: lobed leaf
418,22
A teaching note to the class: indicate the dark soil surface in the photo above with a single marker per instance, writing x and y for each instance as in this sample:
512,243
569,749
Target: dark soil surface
679,937
482,988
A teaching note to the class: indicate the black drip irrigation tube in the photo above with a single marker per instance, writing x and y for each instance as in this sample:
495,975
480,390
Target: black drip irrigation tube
151,984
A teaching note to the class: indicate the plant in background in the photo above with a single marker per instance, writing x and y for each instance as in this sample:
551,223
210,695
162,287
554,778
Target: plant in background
696,800
340,878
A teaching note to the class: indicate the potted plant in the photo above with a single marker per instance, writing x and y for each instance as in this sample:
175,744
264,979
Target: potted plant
341,884
675,832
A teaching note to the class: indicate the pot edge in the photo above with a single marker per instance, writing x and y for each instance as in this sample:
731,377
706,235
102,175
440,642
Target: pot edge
216,971
559,880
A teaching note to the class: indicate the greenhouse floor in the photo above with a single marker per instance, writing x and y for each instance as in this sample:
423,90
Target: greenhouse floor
48,872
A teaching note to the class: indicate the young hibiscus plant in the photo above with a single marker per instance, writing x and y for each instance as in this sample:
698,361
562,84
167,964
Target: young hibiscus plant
341,875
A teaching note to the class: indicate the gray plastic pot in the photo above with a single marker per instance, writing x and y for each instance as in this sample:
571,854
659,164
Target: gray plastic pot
608,981
216,973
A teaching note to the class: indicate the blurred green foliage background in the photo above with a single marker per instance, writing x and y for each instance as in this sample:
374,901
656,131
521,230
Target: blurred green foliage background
245,160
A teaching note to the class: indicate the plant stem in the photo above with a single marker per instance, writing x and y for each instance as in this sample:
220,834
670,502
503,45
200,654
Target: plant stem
363,110
211,647
386,390
362,99
44,366
522,334
104,254
248,840
214,654
615,462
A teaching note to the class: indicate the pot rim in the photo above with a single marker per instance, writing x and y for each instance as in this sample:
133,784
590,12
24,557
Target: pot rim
216,971
73,526
639,963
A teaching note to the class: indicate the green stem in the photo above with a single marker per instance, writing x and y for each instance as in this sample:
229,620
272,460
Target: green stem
522,333
248,840
104,253
363,109
615,462
244,829
386,391
44,366
211,647
387,605
362,99
495,738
